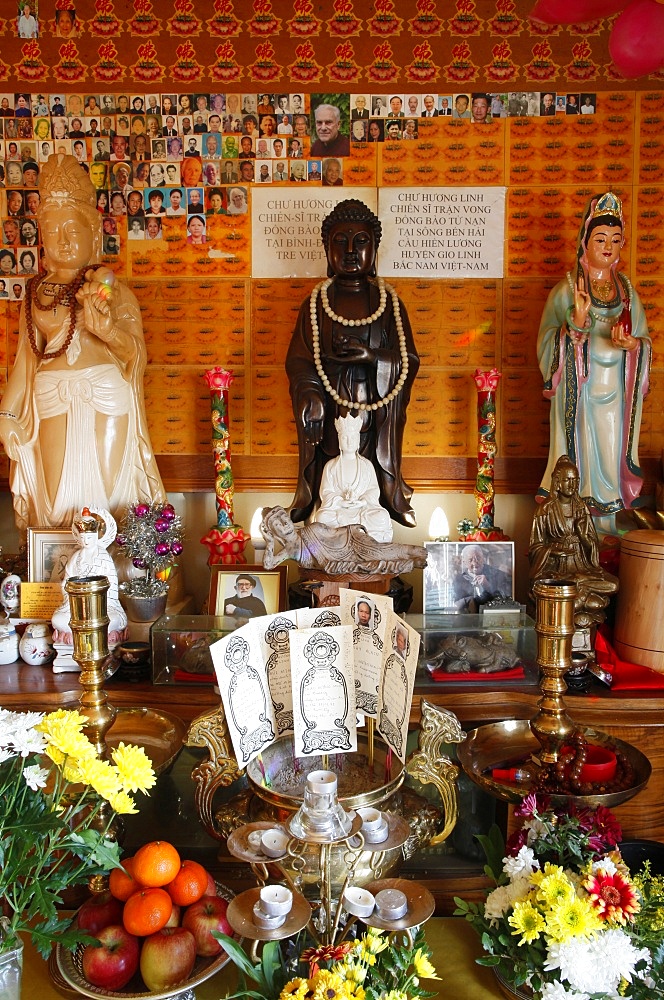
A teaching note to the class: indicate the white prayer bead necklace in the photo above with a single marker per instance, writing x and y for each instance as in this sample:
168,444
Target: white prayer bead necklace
383,289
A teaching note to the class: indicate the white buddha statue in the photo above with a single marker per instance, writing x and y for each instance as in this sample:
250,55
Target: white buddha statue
349,492
94,529
72,417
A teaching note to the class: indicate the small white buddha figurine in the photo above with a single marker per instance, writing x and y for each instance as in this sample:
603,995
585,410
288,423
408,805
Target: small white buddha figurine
349,492
94,529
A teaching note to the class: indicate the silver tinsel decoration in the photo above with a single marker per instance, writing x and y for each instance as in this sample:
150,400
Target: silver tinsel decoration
151,537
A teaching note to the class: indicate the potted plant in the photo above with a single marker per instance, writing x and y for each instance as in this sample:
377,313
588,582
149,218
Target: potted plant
58,804
151,537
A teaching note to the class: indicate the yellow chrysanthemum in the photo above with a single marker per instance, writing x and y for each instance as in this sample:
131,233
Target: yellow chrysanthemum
395,995
134,767
63,734
296,989
102,776
537,877
572,918
526,921
71,770
329,986
375,941
423,966
122,804
555,889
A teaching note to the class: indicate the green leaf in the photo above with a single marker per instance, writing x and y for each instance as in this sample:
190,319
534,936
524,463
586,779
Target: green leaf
238,955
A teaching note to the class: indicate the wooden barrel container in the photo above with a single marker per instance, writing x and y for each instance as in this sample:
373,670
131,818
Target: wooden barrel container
639,629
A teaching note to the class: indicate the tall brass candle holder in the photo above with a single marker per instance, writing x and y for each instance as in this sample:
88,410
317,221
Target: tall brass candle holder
509,759
554,625
89,626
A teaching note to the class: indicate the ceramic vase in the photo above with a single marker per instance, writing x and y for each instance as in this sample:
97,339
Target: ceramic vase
36,645
8,643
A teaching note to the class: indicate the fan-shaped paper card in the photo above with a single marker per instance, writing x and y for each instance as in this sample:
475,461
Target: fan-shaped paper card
310,673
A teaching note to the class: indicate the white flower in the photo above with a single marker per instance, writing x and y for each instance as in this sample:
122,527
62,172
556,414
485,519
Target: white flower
605,865
497,903
17,733
536,829
556,991
525,863
595,964
35,777
503,898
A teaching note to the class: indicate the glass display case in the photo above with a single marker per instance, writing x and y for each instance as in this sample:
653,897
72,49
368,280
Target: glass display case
181,648
497,650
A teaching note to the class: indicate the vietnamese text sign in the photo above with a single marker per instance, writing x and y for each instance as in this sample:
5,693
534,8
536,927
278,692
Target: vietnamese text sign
442,232
286,239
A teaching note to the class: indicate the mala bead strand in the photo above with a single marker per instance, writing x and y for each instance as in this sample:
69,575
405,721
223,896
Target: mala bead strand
366,321
67,297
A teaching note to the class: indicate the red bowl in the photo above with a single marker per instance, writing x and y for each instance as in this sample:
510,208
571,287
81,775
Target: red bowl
600,765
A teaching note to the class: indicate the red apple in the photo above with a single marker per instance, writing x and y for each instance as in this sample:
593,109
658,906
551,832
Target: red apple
211,887
111,964
99,911
167,958
203,917
174,919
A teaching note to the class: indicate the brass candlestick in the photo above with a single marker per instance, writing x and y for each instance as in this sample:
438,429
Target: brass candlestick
552,726
89,626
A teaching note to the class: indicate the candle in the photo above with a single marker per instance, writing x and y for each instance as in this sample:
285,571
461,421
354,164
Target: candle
255,840
257,539
391,904
371,818
439,529
276,900
322,782
274,843
264,920
374,826
359,902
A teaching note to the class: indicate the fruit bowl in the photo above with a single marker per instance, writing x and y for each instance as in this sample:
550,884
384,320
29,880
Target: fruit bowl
69,968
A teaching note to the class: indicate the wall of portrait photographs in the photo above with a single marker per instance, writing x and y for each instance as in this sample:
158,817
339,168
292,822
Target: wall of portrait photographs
190,156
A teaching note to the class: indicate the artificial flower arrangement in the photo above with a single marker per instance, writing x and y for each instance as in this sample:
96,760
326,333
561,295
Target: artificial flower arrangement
369,967
567,919
151,536
55,826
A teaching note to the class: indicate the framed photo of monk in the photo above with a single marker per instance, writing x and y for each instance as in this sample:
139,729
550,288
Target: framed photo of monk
241,593
461,577
48,552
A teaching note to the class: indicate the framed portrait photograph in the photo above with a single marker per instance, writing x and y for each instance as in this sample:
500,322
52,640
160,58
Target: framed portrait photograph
239,593
462,576
48,552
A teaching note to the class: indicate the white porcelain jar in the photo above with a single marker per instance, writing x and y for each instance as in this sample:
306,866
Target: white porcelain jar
36,645
8,643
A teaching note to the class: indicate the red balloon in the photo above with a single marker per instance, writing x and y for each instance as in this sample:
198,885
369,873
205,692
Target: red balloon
564,12
636,45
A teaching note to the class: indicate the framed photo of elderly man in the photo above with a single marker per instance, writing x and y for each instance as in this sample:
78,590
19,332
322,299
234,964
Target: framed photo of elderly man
461,577
241,593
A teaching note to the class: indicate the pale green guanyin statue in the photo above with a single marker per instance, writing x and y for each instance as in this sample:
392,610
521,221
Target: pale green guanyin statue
594,354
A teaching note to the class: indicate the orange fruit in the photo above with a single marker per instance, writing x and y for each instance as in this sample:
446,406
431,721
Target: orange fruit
189,884
147,911
156,863
122,884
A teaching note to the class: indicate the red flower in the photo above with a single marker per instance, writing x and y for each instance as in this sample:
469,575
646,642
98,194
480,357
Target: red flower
613,896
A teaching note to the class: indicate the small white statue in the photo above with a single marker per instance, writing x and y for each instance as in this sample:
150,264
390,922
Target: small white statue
349,492
94,529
